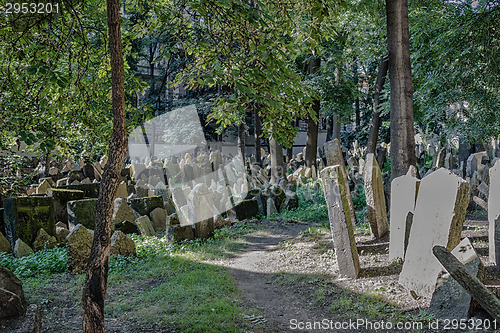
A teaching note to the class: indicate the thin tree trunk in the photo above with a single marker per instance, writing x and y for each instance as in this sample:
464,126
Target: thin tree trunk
277,167
336,127
312,124
258,131
375,121
241,140
95,287
329,128
398,45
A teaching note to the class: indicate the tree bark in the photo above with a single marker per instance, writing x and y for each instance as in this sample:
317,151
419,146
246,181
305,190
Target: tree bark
241,140
258,131
95,287
277,166
375,121
336,127
329,128
312,125
398,45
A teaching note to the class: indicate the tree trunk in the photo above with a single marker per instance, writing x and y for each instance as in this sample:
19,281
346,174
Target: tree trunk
398,45
312,124
375,121
277,167
241,140
94,291
258,131
336,127
329,128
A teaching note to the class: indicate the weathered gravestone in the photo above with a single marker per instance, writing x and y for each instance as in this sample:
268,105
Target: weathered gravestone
450,300
485,297
24,216
21,249
122,245
44,241
341,224
333,153
90,190
439,216
4,244
473,163
375,197
78,246
494,214
11,294
144,206
61,198
144,225
404,191
81,212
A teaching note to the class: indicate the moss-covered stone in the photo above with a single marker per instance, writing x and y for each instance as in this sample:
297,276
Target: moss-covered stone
146,205
246,209
61,198
24,216
81,212
90,190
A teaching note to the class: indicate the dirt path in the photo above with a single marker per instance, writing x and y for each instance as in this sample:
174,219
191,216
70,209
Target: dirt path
252,270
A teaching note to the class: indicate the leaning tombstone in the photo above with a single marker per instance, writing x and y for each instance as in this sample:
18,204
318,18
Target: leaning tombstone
341,224
439,216
78,246
404,191
494,214
334,156
375,197
450,300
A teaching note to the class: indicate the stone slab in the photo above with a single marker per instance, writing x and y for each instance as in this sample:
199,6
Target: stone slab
438,220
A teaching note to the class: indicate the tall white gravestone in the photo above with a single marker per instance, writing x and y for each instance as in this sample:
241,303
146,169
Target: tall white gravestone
494,214
438,220
404,191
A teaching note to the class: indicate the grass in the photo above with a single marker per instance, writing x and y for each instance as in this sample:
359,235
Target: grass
308,210
166,284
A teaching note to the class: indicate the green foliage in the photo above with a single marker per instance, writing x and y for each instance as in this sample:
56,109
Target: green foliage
307,210
359,202
455,51
42,262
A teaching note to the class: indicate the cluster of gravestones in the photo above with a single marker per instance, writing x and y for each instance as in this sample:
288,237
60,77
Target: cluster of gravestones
424,215
183,195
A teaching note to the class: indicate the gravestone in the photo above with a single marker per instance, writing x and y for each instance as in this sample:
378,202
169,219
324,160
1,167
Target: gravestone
473,162
440,160
122,245
334,156
404,191
144,206
61,198
494,214
4,244
144,225
439,216
341,224
375,198
81,212
271,207
24,216
44,241
78,246
450,300
21,249
12,302
89,190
